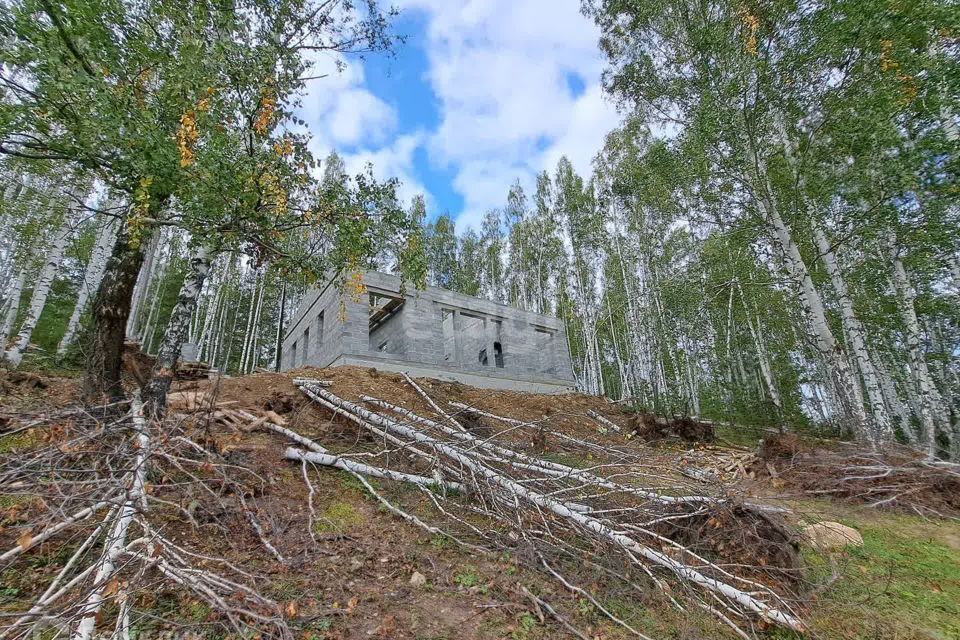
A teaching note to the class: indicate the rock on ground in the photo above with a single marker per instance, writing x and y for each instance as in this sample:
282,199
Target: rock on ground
832,536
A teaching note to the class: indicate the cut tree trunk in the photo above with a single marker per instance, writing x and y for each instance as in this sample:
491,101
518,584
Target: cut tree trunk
155,392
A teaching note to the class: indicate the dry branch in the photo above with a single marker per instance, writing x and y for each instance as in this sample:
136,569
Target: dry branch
479,462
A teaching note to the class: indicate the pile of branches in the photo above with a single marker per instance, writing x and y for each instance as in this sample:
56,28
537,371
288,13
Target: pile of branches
624,521
102,495
898,478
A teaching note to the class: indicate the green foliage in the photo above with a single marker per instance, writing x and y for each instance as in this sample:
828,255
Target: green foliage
526,623
467,578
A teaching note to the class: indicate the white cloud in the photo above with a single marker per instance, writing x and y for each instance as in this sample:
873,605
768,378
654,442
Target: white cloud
499,70
344,116
340,110
393,161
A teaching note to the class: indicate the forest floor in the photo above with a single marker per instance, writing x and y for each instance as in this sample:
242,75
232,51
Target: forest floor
359,581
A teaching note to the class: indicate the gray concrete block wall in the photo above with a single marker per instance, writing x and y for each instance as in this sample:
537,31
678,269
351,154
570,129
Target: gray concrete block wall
415,335
315,302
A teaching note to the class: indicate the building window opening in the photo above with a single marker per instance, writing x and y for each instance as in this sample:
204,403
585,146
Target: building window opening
498,355
319,331
483,357
449,338
382,346
306,344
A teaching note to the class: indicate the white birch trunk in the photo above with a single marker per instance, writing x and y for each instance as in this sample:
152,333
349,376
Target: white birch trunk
12,306
143,283
883,429
851,398
246,333
762,356
41,290
149,328
91,280
889,389
929,404
844,378
155,393
253,358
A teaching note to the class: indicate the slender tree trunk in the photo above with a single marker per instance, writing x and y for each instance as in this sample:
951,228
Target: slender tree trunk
889,389
149,328
12,306
854,415
762,356
929,403
252,314
155,392
252,359
143,285
41,290
855,331
111,309
278,356
91,280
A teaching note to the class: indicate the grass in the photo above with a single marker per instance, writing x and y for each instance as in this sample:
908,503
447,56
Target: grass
903,583
570,461
338,518
23,441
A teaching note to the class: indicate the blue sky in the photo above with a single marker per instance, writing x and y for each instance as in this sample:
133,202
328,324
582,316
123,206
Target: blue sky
483,93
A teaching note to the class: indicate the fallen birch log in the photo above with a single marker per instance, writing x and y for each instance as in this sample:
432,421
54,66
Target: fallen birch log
539,465
609,424
777,613
118,535
328,460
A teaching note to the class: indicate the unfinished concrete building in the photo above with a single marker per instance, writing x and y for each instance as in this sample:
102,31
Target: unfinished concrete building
431,333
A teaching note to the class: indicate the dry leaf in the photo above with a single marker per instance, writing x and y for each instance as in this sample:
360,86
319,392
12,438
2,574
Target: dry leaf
25,540
111,588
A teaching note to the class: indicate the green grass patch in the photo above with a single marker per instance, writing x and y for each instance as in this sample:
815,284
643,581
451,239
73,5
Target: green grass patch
903,583
339,517
23,441
570,461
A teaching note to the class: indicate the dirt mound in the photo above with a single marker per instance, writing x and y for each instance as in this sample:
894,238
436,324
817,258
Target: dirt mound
899,478
648,427
744,536
26,391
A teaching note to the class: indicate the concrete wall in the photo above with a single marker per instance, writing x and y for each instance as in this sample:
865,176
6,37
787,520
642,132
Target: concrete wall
318,353
533,346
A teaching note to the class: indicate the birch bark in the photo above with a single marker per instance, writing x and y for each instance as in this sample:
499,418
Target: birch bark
91,280
143,283
853,414
155,392
41,290
12,307
882,426
929,404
